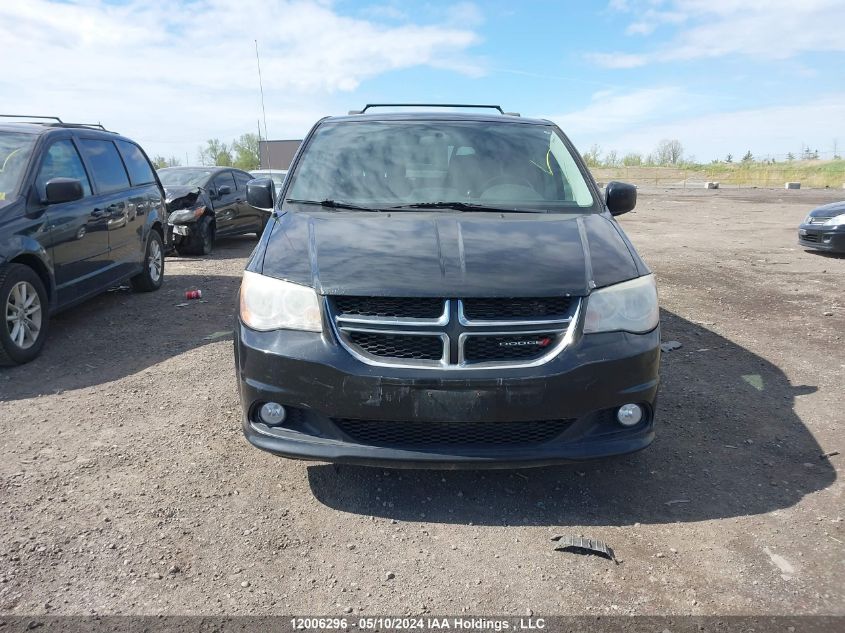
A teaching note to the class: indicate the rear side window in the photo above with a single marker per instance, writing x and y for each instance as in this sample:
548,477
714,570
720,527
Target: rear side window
242,179
140,171
61,161
224,179
109,173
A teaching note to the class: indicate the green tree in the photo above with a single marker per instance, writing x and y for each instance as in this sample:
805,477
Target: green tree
245,149
729,158
748,157
593,156
215,153
790,156
159,161
632,160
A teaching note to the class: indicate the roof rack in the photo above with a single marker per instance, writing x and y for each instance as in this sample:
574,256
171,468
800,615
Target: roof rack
433,105
31,116
54,121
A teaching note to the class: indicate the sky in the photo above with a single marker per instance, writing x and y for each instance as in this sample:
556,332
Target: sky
721,76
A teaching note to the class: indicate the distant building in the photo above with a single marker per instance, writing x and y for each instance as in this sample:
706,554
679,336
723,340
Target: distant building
277,154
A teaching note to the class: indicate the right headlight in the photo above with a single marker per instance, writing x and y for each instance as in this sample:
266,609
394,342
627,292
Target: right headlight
630,306
268,303
838,219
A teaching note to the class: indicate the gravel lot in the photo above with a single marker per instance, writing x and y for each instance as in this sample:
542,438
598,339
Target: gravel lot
127,487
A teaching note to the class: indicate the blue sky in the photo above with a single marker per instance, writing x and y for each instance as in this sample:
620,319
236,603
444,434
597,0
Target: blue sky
722,76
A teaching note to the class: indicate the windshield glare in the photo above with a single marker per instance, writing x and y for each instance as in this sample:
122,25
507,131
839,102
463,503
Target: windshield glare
386,164
15,150
184,177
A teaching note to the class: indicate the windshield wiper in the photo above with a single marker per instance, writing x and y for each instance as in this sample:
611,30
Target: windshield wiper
461,206
331,204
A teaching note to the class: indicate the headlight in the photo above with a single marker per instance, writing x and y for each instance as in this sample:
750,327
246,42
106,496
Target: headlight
630,307
185,215
272,304
839,219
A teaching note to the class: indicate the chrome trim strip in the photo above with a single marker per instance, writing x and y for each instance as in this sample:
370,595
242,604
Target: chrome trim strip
463,320
443,319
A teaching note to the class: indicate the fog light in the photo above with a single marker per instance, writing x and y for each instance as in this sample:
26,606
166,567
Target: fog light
272,414
629,414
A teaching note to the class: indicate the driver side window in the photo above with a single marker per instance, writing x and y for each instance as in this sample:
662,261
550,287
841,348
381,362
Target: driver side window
62,161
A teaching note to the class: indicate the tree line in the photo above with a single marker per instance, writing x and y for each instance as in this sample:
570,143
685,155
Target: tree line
670,153
242,153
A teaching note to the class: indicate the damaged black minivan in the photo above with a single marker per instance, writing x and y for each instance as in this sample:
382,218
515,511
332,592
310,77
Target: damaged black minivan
445,290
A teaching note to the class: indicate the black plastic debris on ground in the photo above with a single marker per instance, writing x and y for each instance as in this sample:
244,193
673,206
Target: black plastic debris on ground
584,546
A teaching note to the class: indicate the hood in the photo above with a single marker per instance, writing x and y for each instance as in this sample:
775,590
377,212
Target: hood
828,210
447,255
181,196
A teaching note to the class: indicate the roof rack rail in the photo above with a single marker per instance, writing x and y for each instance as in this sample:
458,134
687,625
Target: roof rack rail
98,126
54,121
433,105
30,116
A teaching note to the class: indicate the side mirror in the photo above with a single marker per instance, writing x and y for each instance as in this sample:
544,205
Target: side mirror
260,193
63,190
223,190
620,197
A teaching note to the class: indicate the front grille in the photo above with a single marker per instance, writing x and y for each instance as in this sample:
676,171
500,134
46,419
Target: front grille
399,345
516,308
389,307
452,333
810,237
482,349
466,434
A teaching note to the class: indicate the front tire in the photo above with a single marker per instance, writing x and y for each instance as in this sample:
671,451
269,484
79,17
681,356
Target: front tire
25,320
152,276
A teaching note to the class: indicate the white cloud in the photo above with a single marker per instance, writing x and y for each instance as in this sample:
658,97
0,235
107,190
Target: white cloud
763,29
173,74
637,122
610,113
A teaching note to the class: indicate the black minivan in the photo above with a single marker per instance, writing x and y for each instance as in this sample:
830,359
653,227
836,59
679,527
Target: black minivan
81,210
445,290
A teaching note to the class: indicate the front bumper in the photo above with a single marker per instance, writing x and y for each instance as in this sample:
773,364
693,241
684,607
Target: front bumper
823,238
180,230
322,384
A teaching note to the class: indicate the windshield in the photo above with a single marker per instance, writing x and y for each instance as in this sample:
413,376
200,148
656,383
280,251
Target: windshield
15,149
390,164
184,177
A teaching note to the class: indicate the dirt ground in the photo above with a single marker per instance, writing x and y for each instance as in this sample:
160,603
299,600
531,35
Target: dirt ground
127,487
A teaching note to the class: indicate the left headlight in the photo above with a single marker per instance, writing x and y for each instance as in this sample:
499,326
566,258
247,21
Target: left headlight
838,219
630,306
272,304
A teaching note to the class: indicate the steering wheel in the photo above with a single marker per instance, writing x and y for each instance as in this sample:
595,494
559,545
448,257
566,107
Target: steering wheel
507,179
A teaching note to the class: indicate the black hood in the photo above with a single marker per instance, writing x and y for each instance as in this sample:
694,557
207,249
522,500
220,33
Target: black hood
828,210
181,196
447,255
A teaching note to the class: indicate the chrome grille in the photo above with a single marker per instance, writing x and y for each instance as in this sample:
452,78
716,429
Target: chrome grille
454,333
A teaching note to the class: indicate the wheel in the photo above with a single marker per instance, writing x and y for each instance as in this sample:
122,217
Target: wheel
152,275
25,318
204,238
200,241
